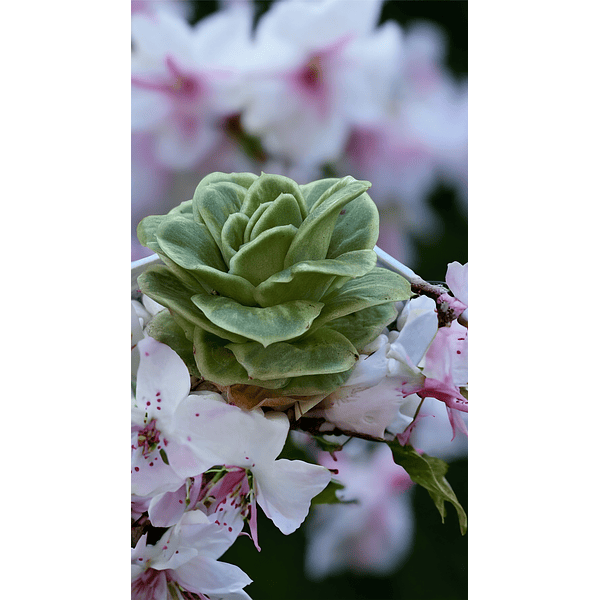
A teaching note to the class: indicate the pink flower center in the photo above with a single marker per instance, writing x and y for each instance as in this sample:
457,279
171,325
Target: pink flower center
149,438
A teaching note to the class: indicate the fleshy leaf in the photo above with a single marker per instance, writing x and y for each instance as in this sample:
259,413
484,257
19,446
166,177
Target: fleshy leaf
282,211
191,247
165,329
363,327
315,189
262,257
218,364
214,203
163,287
314,235
428,472
243,179
285,321
189,244
254,219
379,286
310,280
325,352
232,235
268,188
311,385
346,236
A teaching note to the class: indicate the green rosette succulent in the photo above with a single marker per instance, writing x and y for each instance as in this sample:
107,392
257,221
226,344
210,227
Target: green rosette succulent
270,283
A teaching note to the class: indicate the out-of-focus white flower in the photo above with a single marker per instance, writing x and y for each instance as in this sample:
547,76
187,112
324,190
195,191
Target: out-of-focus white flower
181,8
316,69
149,184
184,80
422,138
372,535
185,559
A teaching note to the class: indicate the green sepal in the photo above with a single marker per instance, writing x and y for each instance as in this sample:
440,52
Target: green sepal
325,352
284,321
219,365
314,235
311,280
257,260
428,472
164,328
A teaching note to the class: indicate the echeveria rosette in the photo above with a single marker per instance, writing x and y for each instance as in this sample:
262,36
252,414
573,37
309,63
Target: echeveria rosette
270,283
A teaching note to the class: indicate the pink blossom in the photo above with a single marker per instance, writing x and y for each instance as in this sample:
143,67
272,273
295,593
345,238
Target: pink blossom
185,560
374,533
184,81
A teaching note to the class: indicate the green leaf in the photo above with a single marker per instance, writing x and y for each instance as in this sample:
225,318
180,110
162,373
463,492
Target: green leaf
428,472
268,188
283,210
257,260
232,235
218,364
347,236
326,445
328,495
214,203
165,329
311,280
379,286
189,244
315,189
324,352
312,385
162,286
363,326
243,179
285,321
314,235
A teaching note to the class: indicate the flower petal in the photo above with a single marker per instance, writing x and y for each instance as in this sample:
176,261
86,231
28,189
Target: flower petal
285,490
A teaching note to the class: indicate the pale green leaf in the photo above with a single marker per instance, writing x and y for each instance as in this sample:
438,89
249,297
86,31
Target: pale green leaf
218,364
161,285
314,235
310,280
262,257
268,188
282,211
285,321
164,328
232,235
324,352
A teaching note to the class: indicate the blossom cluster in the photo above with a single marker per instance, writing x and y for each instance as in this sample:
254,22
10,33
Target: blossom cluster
310,87
200,466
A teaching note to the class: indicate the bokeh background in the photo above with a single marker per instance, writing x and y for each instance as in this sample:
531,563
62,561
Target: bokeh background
423,223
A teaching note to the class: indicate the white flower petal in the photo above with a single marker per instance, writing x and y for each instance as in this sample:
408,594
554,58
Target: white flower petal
204,575
285,490
163,379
